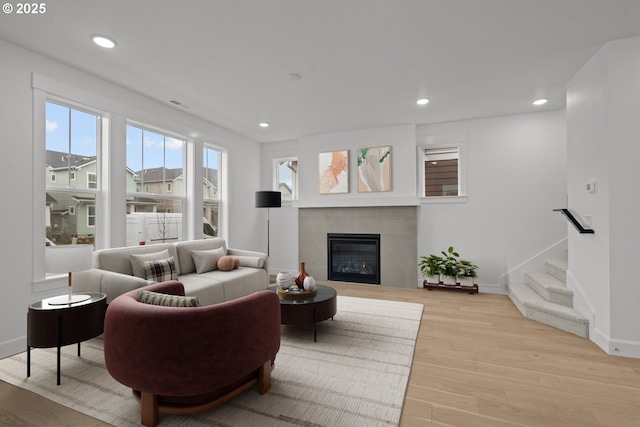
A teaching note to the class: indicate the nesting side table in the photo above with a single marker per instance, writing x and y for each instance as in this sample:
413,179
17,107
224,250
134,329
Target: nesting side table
50,325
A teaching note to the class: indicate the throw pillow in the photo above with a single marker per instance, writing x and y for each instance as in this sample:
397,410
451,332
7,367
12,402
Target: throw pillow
251,261
207,260
167,300
137,261
161,270
228,263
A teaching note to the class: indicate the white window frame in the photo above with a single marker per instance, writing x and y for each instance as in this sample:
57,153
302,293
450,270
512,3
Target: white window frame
458,141
276,177
222,226
102,118
72,175
182,198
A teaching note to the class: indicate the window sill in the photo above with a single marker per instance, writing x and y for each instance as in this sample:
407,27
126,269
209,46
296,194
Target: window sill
443,199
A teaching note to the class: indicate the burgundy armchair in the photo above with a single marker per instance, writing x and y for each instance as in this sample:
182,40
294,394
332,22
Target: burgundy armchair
180,360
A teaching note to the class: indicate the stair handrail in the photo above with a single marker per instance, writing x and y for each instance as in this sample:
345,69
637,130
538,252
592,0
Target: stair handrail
572,219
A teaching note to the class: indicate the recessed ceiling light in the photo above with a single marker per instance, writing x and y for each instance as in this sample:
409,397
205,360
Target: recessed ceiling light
103,41
422,101
263,124
540,101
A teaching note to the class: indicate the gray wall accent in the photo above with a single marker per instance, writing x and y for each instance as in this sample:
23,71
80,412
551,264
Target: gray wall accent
397,226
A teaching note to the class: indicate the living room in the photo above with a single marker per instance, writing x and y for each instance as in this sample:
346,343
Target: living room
519,165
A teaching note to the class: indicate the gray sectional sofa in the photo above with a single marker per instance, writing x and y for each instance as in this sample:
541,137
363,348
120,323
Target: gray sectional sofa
119,270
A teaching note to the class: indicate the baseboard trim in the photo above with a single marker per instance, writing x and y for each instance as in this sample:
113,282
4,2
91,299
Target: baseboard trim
622,348
14,346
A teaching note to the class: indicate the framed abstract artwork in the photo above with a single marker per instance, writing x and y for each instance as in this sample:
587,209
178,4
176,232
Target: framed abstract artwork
333,167
374,169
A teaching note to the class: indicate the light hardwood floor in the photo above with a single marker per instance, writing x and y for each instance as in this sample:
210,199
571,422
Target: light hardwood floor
477,362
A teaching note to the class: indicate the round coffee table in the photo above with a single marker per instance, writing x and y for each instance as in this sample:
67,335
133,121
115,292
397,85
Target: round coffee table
304,311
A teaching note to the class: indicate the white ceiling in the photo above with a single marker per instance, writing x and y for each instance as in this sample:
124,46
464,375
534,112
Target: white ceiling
363,63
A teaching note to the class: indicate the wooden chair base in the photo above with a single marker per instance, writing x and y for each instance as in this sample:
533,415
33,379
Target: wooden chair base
150,409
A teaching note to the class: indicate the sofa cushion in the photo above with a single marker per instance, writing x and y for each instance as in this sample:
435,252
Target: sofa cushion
207,260
167,300
137,261
250,261
160,270
184,250
208,290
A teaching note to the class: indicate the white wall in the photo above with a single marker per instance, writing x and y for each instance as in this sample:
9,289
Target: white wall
516,169
17,165
401,138
283,254
284,221
603,100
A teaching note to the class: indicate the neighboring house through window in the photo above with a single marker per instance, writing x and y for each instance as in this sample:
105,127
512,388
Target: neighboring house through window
155,163
442,168
211,180
72,144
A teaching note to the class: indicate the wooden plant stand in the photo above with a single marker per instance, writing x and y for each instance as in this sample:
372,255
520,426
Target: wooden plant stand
439,286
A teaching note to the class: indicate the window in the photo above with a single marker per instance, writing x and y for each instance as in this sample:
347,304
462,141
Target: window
211,173
441,172
92,180
287,178
72,144
91,216
155,184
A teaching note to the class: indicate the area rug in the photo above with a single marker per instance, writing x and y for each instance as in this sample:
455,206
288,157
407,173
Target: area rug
356,374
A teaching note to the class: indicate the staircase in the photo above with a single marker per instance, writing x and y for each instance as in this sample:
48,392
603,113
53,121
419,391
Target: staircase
544,297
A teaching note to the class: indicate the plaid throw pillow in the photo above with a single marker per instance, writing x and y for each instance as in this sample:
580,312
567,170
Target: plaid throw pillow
156,298
160,270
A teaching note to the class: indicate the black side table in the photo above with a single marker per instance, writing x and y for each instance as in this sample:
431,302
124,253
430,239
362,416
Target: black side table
58,325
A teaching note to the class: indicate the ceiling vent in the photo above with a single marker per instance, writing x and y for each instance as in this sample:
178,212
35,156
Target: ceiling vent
179,104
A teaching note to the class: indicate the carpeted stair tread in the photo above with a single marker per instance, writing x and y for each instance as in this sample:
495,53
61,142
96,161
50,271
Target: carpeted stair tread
558,269
534,307
550,288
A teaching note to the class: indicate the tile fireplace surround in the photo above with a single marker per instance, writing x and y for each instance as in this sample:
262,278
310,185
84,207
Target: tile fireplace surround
397,226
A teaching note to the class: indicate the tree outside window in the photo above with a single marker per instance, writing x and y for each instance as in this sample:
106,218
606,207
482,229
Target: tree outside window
155,179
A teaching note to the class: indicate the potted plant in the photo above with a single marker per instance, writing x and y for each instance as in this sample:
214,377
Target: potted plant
430,268
449,266
466,273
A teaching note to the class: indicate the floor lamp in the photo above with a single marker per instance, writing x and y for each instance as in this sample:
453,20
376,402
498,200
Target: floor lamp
268,199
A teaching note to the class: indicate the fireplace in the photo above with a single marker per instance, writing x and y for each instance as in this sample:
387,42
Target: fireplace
353,258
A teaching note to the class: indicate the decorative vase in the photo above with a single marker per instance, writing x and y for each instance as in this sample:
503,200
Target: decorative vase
284,279
309,283
300,277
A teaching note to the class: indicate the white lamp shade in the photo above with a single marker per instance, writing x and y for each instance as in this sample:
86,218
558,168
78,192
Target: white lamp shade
68,258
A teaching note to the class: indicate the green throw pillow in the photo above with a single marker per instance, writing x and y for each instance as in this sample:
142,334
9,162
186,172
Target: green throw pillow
167,300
